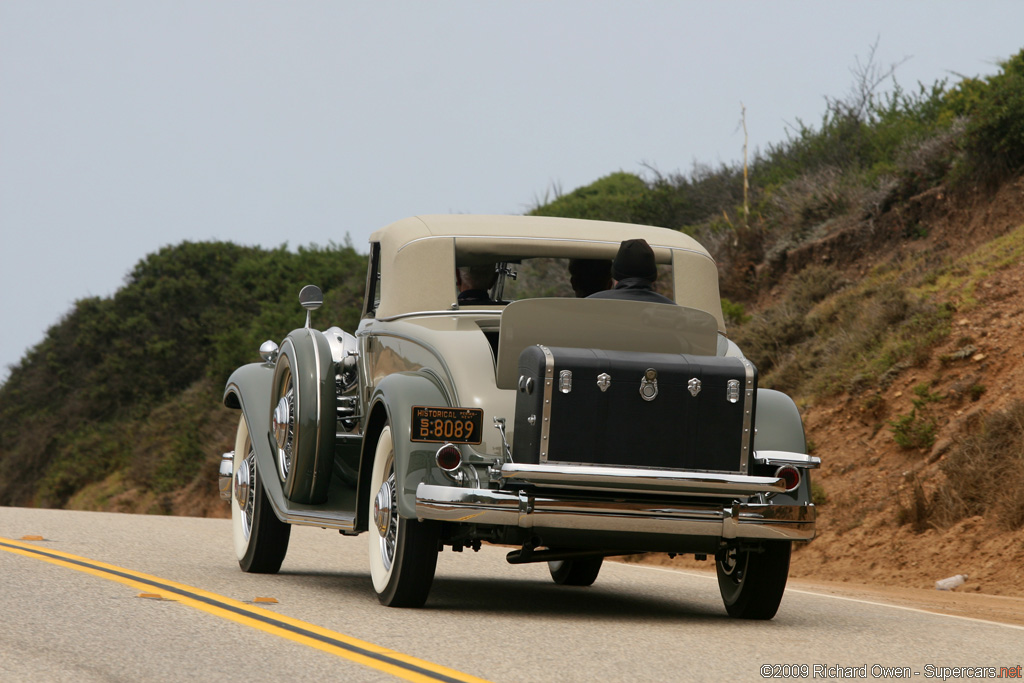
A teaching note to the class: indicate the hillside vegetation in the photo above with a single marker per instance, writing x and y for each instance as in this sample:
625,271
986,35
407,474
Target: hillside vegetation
123,393
871,269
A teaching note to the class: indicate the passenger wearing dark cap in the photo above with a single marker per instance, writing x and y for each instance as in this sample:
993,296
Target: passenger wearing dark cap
635,271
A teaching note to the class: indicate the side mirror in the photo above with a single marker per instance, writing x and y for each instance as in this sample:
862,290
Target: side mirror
311,298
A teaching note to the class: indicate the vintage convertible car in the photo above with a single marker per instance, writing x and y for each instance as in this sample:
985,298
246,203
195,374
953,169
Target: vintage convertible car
571,429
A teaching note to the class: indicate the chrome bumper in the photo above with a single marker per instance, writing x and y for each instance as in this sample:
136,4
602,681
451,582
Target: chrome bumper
641,480
520,509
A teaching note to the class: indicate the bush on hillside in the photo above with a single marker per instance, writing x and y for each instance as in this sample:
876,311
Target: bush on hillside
185,313
611,198
994,107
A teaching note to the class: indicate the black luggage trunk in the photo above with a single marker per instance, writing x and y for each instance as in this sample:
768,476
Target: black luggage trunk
677,411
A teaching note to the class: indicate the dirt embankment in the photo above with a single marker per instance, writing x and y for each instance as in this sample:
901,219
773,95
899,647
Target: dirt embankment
878,538
866,530
875,527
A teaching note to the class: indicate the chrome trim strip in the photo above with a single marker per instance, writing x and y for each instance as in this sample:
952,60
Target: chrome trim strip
319,406
504,508
458,311
325,519
549,380
787,458
766,521
642,480
748,403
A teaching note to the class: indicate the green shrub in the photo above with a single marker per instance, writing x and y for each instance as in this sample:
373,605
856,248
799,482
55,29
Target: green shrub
995,111
734,313
912,431
612,198
924,396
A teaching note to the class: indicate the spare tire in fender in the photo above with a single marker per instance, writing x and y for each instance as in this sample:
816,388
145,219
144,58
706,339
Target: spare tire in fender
303,416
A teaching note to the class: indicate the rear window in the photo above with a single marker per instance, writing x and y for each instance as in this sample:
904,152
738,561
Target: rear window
550,277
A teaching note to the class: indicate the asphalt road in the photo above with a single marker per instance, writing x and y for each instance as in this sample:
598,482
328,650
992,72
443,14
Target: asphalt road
62,621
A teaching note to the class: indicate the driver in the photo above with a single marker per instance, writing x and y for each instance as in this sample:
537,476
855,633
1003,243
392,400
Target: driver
473,283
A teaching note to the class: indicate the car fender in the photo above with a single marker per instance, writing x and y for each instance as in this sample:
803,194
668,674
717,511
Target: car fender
392,400
249,389
779,427
778,422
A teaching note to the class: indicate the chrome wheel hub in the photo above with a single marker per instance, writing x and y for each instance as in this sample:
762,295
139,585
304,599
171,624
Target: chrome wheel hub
245,491
382,509
242,484
731,565
385,520
282,424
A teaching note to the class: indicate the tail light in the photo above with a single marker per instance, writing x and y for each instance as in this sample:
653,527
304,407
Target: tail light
448,457
790,475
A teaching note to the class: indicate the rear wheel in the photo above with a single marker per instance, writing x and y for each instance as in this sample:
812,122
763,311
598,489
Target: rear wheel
403,552
581,572
260,538
752,581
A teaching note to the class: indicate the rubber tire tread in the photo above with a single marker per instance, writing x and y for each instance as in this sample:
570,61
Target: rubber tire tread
416,545
268,541
763,584
579,572
415,563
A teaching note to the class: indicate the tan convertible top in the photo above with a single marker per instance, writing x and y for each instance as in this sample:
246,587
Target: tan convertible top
418,255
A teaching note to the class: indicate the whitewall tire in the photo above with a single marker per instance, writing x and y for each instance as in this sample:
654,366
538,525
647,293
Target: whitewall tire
403,552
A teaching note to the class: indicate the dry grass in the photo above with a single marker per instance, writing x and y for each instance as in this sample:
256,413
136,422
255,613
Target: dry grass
829,335
985,474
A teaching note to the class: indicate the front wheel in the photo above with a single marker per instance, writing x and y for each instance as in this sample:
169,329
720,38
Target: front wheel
752,581
260,538
581,572
403,552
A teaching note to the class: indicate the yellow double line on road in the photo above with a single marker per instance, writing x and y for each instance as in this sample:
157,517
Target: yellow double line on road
376,657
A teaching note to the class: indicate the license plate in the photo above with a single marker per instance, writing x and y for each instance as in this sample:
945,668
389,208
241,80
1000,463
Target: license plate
455,425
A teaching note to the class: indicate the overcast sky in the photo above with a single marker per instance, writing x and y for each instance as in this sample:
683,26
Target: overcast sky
126,126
